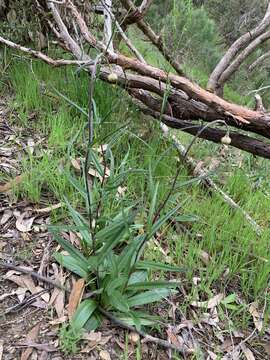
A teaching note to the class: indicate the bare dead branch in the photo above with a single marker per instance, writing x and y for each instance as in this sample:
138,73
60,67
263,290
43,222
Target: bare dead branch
33,274
84,29
153,37
66,37
259,61
186,100
145,5
108,34
233,67
240,141
259,103
42,56
124,37
235,48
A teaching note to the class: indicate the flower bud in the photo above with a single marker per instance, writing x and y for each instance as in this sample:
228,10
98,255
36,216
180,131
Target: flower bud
112,77
226,140
134,337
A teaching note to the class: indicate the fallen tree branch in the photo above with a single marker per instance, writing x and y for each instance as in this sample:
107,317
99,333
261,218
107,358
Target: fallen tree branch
42,56
124,36
238,140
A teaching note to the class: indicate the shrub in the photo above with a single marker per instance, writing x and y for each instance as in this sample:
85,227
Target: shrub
191,34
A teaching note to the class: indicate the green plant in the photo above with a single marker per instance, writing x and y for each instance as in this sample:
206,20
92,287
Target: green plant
191,34
68,339
111,258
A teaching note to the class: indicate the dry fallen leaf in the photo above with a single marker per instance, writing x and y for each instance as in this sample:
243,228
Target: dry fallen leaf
257,316
45,296
21,293
76,164
173,338
121,190
75,238
6,216
93,339
24,281
209,304
134,337
31,336
75,297
102,148
247,352
7,186
205,257
58,296
94,173
24,224
104,355
58,321
42,347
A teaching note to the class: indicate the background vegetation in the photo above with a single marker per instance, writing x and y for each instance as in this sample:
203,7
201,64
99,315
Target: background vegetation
197,33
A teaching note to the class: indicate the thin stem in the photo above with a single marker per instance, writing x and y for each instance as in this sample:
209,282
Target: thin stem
89,146
147,337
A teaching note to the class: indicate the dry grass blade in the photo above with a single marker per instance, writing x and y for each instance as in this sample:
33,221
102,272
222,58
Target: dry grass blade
48,209
209,304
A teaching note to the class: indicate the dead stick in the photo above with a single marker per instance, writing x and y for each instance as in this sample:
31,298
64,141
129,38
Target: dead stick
147,337
33,274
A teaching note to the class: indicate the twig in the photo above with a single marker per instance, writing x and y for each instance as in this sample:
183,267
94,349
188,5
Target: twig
33,274
147,337
10,207
156,40
26,302
133,49
42,56
257,90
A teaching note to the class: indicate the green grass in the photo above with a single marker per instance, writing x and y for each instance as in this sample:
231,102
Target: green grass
240,260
